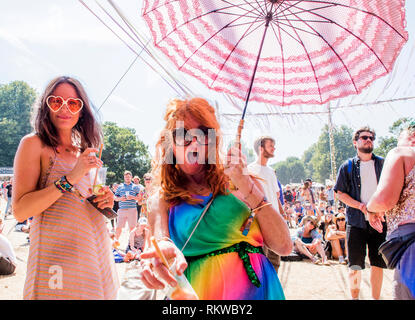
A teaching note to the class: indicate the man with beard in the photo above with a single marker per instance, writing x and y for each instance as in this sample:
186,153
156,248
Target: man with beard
357,180
265,147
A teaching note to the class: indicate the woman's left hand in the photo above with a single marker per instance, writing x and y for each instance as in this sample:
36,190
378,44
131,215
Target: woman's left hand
236,170
106,199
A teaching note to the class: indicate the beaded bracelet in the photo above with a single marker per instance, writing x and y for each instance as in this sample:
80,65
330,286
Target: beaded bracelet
63,185
246,226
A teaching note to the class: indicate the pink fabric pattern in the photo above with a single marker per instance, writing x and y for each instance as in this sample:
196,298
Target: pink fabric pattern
314,50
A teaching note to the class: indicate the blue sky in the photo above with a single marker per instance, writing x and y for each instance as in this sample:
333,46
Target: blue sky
42,39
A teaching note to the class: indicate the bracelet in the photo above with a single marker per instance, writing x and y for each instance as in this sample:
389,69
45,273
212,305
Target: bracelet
166,239
264,202
63,185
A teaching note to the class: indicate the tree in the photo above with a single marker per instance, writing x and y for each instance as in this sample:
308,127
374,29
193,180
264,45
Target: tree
306,159
123,150
385,145
389,142
289,171
318,155
16,99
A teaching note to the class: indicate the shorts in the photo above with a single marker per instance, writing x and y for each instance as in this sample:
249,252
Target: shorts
358,239
274,258
124,215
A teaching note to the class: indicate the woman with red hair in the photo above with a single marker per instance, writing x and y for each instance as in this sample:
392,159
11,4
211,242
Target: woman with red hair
220,255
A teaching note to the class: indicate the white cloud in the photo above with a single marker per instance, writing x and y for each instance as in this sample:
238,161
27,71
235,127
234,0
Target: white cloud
115,101
27,56
15,41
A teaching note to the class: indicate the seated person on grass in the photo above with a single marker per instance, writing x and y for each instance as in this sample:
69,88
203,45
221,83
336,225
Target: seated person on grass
308,241
336,234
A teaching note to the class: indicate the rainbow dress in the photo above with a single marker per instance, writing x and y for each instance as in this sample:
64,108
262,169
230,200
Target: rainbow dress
223,264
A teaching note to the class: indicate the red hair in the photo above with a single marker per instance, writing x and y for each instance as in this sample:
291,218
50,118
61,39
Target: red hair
164,170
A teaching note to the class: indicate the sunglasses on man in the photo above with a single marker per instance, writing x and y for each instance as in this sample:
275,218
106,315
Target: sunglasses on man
55,103
367,137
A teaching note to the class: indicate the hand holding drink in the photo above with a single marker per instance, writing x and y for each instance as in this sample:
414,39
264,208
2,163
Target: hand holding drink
183,290
102,198
98,178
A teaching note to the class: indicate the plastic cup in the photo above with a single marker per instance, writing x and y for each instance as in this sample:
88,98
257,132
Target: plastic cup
183,290
98,177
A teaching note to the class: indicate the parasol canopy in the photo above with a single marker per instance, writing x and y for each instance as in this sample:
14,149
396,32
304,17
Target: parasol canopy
281,52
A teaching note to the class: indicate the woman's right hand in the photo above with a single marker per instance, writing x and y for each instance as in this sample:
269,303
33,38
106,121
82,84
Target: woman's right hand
84,163
153,270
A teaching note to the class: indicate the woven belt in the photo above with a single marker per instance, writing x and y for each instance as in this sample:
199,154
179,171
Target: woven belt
243,248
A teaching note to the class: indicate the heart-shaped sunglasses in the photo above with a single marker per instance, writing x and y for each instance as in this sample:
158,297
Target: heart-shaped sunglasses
55,103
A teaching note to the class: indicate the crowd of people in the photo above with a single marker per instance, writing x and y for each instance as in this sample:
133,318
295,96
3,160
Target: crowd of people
222,223
319,221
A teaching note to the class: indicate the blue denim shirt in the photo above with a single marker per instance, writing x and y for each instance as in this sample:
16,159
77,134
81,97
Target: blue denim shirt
349,182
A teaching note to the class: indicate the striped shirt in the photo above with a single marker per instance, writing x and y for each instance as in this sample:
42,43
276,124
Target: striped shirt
122,190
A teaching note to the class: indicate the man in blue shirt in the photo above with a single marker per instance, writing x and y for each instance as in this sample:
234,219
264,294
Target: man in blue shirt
357,180
127,195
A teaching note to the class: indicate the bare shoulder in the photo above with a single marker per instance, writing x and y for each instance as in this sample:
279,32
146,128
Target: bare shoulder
401,153
31,141
30,147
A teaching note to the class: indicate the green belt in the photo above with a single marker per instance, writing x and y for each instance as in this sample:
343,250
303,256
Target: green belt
243,248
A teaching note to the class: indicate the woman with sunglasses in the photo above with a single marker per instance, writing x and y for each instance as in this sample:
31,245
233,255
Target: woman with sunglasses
308,241
219,260
336,234
70,252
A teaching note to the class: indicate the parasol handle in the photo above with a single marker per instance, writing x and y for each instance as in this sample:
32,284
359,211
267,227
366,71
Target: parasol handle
239,134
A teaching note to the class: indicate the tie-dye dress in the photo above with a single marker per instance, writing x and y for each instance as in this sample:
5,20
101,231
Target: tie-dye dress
70,254
223,263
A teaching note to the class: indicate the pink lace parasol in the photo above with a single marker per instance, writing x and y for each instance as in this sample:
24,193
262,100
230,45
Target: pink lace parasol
281,52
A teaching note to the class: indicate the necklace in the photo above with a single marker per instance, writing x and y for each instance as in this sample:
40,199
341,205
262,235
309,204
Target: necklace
68,149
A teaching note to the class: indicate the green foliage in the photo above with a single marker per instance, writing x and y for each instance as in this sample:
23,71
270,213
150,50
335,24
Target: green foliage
316,162
123,150
16,99
290,171
387,143
343,149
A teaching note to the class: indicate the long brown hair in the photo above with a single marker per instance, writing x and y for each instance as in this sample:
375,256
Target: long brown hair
86,133
166,173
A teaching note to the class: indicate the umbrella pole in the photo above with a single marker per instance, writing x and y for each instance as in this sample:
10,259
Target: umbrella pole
241,122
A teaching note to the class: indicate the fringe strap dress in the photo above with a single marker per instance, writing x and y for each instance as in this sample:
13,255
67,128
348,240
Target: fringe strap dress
70,253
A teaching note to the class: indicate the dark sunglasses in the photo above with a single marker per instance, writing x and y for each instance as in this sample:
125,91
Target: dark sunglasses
367,137
203,135
341,219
